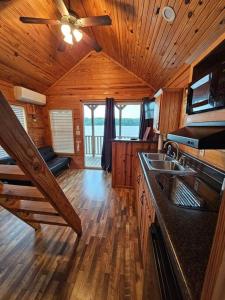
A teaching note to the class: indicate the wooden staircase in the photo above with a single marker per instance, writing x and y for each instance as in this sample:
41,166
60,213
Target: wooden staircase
44,202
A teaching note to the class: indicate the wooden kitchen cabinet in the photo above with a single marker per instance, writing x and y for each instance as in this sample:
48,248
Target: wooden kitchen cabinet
146,216
125,161
144,210
167,110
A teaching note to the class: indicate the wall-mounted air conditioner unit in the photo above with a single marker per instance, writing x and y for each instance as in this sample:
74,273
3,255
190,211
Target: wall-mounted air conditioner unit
25,95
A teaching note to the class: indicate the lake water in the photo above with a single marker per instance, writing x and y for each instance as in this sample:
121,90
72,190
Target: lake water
128,131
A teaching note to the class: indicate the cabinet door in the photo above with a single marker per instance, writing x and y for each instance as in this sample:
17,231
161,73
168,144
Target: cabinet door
137,185
118,164
140,210
139,147
128,165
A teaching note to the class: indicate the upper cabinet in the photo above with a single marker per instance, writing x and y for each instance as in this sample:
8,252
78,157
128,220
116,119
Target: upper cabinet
167,110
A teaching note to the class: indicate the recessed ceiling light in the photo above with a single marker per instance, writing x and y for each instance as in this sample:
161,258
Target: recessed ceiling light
168,14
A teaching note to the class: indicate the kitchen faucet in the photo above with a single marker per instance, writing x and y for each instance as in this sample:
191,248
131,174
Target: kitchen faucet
177,148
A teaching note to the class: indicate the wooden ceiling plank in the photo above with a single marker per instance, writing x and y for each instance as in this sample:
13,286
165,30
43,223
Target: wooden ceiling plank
156,18
155,50
29,52
136,48
161,37
202,35
183,36
205,24
148,12
177,26
184,26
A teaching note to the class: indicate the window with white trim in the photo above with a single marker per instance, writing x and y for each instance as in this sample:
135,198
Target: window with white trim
62,130
127,118
21,115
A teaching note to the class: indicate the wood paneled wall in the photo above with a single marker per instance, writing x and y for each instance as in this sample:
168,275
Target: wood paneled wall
181,80
34,115
96,77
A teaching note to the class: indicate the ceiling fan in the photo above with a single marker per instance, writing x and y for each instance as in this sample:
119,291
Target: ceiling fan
71,25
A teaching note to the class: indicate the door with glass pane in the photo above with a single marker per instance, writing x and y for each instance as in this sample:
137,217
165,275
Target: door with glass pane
94,117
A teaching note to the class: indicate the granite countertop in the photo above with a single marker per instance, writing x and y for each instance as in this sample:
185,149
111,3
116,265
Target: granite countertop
128,140
188,235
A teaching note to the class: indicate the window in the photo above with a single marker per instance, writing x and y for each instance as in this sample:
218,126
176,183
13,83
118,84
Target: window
20,113
127,120
62,130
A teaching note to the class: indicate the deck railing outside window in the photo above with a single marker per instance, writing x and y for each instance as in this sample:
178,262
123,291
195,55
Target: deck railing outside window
97,149
98,142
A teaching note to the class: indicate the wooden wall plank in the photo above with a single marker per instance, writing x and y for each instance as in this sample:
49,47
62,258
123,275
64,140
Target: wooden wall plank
95,78
181,80
34,115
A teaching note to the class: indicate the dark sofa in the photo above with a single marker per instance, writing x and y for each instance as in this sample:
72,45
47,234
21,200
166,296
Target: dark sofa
55,163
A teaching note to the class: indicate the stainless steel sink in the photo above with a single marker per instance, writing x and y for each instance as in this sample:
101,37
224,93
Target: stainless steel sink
157,156
166,165
162,163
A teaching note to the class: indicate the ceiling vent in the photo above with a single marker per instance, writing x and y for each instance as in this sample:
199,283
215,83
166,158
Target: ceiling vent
168,14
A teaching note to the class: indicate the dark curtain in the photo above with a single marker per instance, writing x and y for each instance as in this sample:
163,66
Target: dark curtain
144,123
109,134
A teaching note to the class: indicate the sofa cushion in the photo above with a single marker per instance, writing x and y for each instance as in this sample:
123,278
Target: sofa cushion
58,161
7,161
58,164
47,153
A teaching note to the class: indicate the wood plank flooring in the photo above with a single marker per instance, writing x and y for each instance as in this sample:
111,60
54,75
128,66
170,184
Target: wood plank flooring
48,264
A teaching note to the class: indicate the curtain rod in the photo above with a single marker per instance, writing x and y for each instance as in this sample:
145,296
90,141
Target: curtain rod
104,101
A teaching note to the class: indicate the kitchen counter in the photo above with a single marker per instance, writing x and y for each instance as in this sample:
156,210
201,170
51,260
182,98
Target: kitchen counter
188,235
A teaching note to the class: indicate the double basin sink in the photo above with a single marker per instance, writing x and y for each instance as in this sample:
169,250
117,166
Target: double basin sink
162,163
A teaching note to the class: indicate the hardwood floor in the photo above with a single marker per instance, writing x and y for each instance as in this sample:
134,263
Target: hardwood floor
48,264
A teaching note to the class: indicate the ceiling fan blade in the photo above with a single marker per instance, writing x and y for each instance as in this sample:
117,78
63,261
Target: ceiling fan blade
94,21
62,7
29,20
91,42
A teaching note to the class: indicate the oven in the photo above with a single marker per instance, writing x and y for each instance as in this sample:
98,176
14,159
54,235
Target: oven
160,261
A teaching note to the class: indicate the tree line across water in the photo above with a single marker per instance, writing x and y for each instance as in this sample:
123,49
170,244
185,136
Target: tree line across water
124,122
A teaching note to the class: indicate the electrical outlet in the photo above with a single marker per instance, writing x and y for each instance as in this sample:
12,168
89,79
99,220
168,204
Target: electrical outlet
202,152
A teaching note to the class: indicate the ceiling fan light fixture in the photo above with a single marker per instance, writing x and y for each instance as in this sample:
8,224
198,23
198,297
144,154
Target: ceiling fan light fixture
69,39
78,35
66,29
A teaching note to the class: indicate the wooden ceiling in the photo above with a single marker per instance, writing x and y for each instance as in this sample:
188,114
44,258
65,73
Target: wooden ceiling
28,53
139,38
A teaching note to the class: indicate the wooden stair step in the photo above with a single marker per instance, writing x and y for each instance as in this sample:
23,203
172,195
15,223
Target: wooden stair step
12,172
44,219
21,192
44,208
